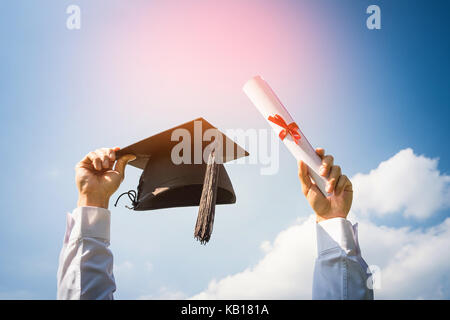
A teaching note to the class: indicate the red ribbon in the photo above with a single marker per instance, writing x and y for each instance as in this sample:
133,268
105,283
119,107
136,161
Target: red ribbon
292,128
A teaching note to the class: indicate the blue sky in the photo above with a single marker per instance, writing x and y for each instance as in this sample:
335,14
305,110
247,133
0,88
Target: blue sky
134,69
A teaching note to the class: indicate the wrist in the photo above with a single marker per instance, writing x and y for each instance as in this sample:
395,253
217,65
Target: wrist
328,217
91,200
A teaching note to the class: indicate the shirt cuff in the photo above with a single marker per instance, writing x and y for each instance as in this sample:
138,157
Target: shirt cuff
335,233
88,222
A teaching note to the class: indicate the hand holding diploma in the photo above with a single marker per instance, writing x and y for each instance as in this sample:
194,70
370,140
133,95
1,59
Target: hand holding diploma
328,191
271,108
338,185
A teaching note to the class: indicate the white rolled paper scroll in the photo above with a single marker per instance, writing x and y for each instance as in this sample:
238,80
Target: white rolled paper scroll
268,104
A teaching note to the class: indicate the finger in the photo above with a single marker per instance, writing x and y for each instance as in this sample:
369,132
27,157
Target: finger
343,183
304,177
103,154
94,160
122,162
327,163
112,158
111,155
348,186
320,152
335,173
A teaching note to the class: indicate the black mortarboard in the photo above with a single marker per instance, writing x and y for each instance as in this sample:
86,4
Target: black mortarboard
181,169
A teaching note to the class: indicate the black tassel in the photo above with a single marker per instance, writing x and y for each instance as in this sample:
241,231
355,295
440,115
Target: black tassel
207,207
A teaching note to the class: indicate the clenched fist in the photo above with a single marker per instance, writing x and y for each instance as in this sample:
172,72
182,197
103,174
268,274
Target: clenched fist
336,205
99,175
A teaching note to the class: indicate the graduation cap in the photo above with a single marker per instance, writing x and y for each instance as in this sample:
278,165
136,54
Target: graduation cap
183,166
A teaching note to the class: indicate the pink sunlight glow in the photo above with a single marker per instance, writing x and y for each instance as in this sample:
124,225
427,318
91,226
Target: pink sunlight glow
193,57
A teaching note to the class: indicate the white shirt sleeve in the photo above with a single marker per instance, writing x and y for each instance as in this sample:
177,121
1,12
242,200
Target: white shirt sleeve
85,263
340,272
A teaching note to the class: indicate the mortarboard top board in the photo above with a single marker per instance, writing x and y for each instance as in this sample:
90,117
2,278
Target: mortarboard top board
161,143
165,184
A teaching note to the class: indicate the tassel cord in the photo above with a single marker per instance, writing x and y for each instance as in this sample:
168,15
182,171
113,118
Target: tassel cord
132,195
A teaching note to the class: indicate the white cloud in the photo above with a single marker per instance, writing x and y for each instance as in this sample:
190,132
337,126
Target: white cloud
406,182
284,272
414,263
265,246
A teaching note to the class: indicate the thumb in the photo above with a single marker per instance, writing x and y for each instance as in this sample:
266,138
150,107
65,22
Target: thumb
122,162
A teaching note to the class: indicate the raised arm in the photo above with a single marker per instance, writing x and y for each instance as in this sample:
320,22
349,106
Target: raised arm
340,272
86,264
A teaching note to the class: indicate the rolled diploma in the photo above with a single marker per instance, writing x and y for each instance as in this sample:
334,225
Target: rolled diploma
268,104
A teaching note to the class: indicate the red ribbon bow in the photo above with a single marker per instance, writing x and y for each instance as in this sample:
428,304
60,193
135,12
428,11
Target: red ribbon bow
292,128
